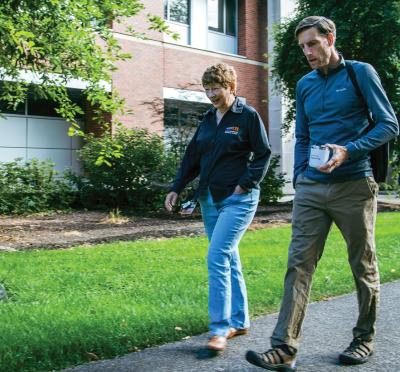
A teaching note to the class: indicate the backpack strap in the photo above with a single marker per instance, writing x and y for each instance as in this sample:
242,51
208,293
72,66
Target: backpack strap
380,156
352,75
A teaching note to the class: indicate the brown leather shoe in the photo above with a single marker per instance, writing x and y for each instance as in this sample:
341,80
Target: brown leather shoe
233,332
217,343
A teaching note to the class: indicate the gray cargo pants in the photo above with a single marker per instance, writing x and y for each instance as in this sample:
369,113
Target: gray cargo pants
352,207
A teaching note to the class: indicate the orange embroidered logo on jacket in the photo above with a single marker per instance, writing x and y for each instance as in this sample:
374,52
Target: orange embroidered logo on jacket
232,130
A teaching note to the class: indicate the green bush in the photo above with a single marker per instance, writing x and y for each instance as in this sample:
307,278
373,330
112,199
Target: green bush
29,187
128,170
271,185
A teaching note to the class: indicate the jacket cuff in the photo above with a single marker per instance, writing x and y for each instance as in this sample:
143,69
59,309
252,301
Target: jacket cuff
247,184
175,188
353,151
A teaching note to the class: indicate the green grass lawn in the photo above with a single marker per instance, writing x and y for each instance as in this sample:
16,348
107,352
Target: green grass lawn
114,298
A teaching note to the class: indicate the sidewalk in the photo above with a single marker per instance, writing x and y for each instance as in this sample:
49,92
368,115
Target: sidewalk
388,198
327,331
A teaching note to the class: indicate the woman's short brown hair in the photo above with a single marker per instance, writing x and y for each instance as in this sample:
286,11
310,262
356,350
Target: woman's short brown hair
222,74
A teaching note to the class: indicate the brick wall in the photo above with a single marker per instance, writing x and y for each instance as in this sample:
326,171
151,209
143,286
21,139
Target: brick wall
252,29
140,82
140,23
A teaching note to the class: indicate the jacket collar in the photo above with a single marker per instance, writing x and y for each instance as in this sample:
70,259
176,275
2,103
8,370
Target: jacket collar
237,107
334,70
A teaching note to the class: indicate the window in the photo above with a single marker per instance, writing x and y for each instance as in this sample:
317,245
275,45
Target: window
44,107
222,16
41,107
215,15
230,17
6,108
177,11
37,106
181,119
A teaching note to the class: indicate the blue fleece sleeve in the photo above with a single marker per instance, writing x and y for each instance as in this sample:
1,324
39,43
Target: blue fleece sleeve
302,137
386,127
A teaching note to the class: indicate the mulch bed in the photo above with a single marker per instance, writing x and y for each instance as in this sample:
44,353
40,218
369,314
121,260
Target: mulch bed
63,230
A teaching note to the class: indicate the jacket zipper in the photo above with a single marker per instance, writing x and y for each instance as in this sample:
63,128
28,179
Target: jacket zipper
324,93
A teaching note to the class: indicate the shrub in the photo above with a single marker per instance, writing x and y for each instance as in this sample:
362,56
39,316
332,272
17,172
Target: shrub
126,170
271,185
33,186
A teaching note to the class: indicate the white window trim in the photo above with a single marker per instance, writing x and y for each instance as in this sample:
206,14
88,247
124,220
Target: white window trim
35,78
187,95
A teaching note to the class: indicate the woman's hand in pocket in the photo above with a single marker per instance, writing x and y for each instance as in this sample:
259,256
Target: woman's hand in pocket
240,190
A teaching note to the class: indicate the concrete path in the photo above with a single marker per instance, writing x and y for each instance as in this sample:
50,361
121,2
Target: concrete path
327,331
389,198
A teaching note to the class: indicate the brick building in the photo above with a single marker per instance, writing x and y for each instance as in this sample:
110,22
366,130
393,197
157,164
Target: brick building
166,74
161,83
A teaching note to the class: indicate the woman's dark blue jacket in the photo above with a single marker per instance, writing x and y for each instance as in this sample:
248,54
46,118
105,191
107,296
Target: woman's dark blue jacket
235,152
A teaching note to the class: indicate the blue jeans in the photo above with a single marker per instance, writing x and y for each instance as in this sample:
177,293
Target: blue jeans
225,223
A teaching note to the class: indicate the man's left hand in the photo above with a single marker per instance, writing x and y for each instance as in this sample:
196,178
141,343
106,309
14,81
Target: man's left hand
340,154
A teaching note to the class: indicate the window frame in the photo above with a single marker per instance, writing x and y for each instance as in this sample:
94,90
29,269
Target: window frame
222,29
167,12
31,102
221,23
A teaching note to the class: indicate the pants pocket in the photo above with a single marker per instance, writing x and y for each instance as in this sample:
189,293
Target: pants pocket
373,186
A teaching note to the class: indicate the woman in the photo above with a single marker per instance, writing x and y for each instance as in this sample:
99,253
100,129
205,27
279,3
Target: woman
229,135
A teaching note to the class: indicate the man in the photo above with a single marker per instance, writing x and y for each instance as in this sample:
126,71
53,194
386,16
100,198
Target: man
342,190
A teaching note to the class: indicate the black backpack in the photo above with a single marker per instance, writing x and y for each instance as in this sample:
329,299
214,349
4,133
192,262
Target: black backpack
379,156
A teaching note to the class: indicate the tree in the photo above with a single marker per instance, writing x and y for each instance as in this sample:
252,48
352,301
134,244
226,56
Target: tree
366,31
59,40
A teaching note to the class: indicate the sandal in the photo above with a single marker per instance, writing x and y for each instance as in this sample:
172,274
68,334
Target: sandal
358,352
274,359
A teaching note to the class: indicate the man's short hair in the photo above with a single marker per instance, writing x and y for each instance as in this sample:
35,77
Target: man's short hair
322,24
